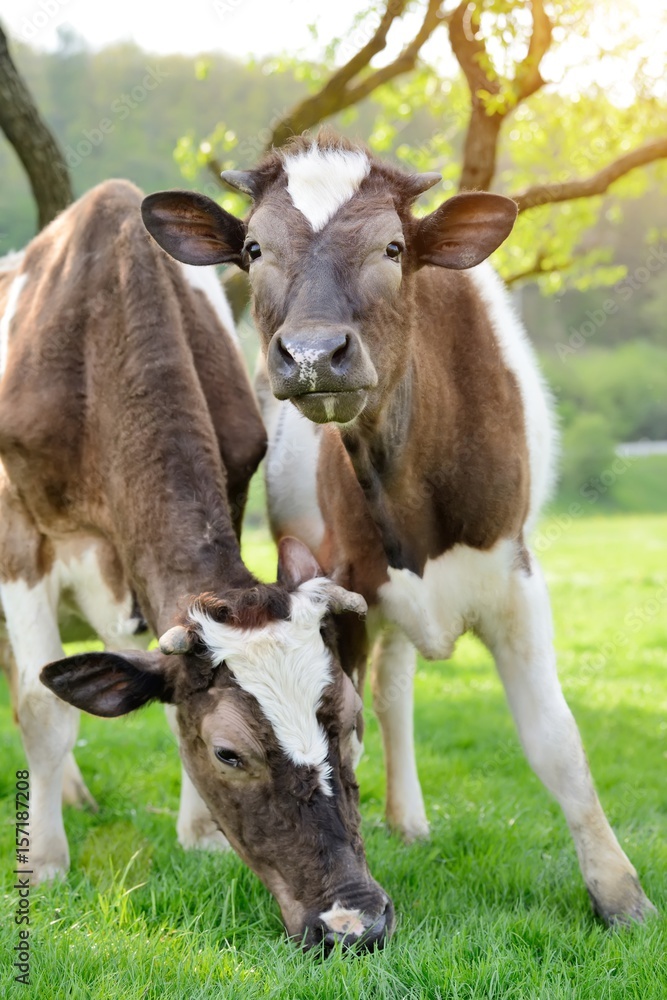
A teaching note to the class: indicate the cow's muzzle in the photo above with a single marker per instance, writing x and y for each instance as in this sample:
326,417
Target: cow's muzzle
361,930
324,370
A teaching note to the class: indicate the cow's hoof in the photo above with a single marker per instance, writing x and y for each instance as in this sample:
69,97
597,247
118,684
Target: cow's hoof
628,904
45,872
410,828
209,839
77,795
75,792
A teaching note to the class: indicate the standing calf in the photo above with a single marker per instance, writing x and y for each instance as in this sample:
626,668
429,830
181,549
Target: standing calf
438,452
128,435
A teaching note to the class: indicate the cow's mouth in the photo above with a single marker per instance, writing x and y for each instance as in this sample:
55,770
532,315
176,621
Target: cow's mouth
331,407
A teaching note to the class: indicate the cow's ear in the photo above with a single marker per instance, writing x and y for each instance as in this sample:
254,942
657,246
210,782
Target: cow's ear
296,563
465,229
193,228
109,684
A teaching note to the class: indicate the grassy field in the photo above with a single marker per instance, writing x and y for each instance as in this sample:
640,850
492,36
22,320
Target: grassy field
493,906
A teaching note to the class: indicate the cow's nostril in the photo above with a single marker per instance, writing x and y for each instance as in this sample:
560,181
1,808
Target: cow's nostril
285,355
340,354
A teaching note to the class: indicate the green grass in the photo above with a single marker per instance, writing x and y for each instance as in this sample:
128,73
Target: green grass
492,907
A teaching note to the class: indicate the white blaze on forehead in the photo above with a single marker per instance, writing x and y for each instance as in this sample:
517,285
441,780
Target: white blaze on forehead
286,667
319,181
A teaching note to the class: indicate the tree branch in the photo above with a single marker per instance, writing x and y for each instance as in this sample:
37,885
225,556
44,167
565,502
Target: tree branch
338,93
33,141
528,77
547,194
481,143
536,269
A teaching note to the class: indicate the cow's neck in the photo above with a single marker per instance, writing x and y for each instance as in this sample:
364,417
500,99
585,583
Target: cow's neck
380,447
166,492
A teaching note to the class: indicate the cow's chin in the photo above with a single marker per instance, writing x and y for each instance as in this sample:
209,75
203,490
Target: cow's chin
331,407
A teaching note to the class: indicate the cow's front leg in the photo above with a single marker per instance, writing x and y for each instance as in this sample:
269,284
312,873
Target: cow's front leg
195,828
519,632
48,725
392,681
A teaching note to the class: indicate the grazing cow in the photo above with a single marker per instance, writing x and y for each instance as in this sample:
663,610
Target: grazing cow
438,452
128,434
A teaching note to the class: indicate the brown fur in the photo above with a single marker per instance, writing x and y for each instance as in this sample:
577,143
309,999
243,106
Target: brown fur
107,338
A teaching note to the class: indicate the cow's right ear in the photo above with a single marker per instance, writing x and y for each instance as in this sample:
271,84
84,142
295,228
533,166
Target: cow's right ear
193,228
109,684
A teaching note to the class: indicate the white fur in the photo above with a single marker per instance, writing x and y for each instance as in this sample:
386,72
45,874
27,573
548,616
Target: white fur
286,667
78,570
290,467
319,181
49,725
518,355
436,608
392,679
343,921
206,280
13,295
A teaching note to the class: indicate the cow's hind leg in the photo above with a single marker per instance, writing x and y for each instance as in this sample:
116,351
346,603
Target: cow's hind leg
392,681
48,725
195,827
519,633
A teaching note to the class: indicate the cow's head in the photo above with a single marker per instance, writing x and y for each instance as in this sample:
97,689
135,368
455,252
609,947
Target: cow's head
270,730
330,246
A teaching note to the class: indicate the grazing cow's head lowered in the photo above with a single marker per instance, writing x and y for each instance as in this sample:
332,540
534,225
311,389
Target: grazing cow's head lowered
270,732
330,246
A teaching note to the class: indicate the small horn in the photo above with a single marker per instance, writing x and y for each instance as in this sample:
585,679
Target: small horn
175,640
341,599
241,180
422,182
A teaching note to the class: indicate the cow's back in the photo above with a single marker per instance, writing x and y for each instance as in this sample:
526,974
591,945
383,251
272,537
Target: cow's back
105,323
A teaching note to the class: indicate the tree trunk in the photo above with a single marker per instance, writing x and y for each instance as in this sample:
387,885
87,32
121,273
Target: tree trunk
33,141
480,149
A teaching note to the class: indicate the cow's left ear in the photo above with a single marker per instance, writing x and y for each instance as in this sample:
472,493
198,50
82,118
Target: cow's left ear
109,684
465,230
193,228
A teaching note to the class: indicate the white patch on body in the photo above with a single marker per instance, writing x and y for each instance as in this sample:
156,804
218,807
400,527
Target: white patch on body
290,467
13,295
343,921
207,281
319,181
286,667
518,355
77,569
436,608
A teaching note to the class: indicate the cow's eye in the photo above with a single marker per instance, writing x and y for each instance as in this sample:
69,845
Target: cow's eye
253,250
394,251
228,757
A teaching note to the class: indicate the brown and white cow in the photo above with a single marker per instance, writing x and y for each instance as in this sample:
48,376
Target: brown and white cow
438,452
128,435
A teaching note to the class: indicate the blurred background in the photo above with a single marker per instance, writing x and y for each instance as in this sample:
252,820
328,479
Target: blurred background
562,105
